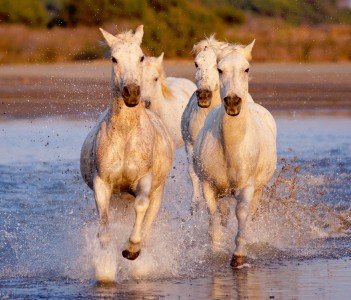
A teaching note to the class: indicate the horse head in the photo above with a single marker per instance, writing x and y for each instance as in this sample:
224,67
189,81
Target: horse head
153,77
127,64
233,68
206,69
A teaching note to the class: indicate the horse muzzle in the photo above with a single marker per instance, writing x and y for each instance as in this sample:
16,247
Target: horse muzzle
131,95
232,105
204,97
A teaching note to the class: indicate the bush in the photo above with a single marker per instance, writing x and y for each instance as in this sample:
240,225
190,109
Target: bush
230,15
31,13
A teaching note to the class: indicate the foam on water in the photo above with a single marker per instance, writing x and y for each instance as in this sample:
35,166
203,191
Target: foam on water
48,220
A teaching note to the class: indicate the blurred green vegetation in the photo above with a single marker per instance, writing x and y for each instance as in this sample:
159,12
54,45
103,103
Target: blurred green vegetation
32,12
172,26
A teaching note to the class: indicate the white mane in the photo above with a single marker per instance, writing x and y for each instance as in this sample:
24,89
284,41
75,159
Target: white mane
209,42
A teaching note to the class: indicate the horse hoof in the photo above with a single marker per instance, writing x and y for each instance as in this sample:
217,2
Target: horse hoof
130,255
237,261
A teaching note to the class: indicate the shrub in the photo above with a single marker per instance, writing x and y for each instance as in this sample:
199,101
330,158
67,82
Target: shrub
31,13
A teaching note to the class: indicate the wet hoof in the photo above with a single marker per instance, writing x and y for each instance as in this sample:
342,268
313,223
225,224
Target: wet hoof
237,261
130,255
105,283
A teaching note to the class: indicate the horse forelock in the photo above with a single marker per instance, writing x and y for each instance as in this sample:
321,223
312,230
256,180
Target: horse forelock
209,42
126,36
233,48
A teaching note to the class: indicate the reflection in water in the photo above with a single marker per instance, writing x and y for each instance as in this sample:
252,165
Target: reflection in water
299,242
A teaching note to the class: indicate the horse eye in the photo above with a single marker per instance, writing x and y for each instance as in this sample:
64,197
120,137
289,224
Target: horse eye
247,70
220,71
114,60
142,58
196,66
156,78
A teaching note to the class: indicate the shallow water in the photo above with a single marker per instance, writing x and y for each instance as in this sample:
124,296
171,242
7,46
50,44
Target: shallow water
299,242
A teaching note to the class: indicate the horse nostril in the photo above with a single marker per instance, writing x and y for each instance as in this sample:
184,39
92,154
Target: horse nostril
137,91
126,92
232,100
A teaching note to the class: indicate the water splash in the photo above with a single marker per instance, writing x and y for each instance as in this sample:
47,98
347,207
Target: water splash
48,221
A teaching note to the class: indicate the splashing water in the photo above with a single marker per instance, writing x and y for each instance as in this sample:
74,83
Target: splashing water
48,220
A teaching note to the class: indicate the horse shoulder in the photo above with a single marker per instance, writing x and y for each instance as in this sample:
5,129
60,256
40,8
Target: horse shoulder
208,147
87,157
188,118
266,138
263,117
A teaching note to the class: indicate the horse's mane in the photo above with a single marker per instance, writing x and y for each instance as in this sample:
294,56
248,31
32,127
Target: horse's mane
231,48
166,91
209,42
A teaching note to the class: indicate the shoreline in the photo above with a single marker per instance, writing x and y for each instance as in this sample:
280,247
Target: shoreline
78,89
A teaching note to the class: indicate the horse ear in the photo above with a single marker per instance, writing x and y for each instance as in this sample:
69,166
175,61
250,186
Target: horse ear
139,32
248,50
108,37
160,59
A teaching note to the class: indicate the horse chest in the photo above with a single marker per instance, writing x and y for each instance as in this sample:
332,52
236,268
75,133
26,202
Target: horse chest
123,164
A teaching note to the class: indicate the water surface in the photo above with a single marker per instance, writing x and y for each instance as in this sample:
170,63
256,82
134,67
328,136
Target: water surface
299,242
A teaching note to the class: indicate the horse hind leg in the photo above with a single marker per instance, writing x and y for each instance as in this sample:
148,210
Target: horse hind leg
141,205
103,193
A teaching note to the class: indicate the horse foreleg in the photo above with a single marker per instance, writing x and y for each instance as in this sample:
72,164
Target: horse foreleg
102,193
215,218
225,211
255,201
195,197
242,211
152,212
141,205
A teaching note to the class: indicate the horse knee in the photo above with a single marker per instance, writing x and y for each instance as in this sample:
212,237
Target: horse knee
241,212
141,204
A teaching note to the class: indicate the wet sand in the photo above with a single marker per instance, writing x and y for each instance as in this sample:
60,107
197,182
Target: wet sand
82,89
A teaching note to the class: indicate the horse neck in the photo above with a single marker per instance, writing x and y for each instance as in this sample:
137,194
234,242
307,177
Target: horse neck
235,127
122,115
158,102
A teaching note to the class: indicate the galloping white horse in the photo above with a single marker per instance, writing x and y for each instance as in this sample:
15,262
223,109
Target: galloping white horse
129,149
167,97
201,102
235,151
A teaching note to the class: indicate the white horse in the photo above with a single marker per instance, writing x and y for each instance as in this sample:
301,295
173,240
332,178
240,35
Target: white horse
201,102
167,97
235,151
129,150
